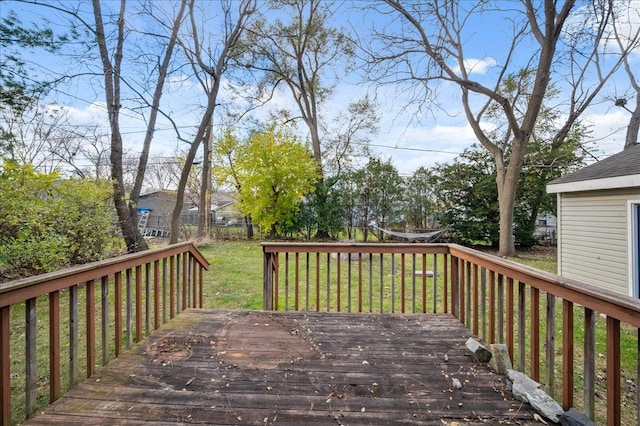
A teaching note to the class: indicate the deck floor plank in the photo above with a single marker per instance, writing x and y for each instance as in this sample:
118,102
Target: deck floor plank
242,367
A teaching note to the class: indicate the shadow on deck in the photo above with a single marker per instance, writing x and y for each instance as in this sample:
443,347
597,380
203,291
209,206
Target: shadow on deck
239,367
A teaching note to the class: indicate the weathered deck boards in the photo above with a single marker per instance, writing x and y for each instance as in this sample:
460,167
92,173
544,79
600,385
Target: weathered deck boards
237,367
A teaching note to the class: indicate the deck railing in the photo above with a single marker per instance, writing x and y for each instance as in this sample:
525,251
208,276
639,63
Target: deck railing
114,302
548,322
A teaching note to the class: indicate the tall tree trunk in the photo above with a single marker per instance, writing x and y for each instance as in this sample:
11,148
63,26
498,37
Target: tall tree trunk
249,227
127,218
204,217
631,138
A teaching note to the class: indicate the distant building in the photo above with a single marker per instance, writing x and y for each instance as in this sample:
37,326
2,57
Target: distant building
159,205
599,223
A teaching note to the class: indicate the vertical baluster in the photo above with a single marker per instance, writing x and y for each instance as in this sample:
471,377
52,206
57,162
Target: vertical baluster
370,282
567,354
54,346
434,280
483,301
510,316
307,282
402,283
476,305
164,290
104,298
521,325
317,282
172,286
328,282
185,281
156,294
359,282
179,283
286,281
613,371
138,301
434,291
413,283
589,362
381,283
550,343
91,326
31,358
468,295
129,308
445,282
349,295
195,284
501,308
118,311
393,283
147,300
5,367
275,261
535,334
492,306
297,278
462,283
338,292
201,286
73,336
455,279
267,280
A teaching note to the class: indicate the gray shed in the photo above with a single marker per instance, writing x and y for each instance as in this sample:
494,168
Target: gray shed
599,223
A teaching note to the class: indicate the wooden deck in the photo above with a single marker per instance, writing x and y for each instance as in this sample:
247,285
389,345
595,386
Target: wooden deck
238,367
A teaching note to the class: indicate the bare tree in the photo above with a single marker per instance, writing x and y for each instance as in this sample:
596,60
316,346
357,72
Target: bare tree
113,79
544,38
299,53
622,39
209,65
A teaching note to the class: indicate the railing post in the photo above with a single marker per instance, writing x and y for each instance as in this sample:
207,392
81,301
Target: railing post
455,280
613,371
90,326
267,282
551,343
5,368
567,355
31,358
54,346
589,362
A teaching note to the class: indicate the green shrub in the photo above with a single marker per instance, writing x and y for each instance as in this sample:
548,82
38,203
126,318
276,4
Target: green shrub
47,223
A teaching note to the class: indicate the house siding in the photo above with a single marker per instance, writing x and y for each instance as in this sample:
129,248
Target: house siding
594,235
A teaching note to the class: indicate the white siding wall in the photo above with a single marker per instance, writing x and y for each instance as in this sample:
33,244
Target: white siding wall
593,235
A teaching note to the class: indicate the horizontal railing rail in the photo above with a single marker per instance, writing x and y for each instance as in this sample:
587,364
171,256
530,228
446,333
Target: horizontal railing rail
531,311
44,323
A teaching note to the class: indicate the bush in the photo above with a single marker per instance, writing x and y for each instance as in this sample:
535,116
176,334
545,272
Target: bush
47,223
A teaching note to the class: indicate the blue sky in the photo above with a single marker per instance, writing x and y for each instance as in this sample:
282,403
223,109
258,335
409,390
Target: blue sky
409,138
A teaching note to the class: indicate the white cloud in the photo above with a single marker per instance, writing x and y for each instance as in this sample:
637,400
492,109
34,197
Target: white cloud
477,66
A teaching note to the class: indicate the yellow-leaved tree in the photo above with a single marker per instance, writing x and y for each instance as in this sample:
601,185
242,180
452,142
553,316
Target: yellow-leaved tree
276,171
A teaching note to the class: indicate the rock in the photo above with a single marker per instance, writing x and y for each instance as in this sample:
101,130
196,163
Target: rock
545,405
574,417
500,360
353,257
456,383
479,351
419,273
522,385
